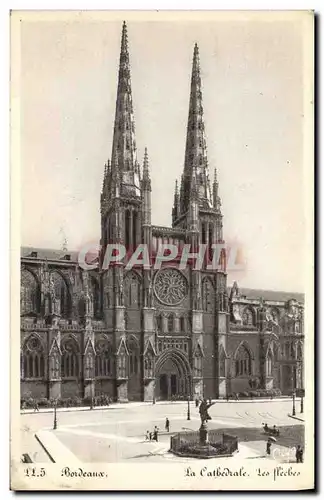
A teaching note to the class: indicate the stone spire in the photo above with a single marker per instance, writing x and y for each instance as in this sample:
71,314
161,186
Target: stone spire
216,198
146,170
146,200
195,164
124,144
176,203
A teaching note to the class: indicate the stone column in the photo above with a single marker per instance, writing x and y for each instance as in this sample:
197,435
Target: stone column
131,242
149,336
54,364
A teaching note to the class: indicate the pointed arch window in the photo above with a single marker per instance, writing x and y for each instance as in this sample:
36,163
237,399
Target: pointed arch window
70,359
243,363
62,294
96,297
247,316
104,359
170,323
208,295
33,362
132,291
182,324
159,323
29,293
133,358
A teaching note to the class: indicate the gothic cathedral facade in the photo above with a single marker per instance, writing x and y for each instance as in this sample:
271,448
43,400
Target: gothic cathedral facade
146,333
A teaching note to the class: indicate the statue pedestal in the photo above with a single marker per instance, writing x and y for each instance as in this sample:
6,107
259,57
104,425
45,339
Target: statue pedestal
203,434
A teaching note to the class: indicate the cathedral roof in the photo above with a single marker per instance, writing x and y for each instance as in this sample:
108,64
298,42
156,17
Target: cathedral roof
273,295
49,254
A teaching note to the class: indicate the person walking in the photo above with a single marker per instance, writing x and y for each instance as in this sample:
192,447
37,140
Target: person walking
268,450
147,436
36,406
299,454
155,434
167,424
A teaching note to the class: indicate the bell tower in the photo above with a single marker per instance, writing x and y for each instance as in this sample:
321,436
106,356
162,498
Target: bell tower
121,214
121,192
197,210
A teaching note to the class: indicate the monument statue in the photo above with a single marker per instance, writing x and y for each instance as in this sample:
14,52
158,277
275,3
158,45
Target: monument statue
203,411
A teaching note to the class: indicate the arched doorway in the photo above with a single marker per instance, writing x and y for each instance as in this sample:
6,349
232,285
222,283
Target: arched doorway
173,375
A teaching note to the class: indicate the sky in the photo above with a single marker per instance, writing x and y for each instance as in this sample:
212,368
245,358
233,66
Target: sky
253,81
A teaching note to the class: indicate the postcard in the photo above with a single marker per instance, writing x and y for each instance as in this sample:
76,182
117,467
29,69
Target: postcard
162,327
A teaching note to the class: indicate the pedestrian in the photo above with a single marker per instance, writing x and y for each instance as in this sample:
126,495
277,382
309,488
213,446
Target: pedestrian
197,402
151,436
269,443
155,434
299,454
148,436
36,406
167,424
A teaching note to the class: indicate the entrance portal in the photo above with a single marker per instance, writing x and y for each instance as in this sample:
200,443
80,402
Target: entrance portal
164,386
173,376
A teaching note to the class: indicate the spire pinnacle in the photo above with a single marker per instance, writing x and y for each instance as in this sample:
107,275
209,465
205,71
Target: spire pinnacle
124,144
146,168
195,164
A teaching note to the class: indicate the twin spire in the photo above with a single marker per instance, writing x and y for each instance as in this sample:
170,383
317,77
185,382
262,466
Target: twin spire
124,168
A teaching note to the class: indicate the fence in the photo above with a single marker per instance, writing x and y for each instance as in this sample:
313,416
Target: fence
225,443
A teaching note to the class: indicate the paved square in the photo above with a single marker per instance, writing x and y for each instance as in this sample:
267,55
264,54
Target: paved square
117,434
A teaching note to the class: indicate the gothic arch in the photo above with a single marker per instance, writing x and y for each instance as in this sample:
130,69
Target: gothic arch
70,359
243,358
96,296
180,363
133,348
159,322
30,292
178,357
208,294
105,359
170,319
249,316
246,345
132,290
62,290
33,358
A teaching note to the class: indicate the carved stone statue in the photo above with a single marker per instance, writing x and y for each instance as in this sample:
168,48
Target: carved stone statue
203,411
121,294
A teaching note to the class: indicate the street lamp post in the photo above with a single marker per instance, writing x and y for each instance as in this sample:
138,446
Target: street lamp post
55,417
188,411
294,406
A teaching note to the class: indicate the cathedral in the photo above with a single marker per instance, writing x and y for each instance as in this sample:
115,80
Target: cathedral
149,334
